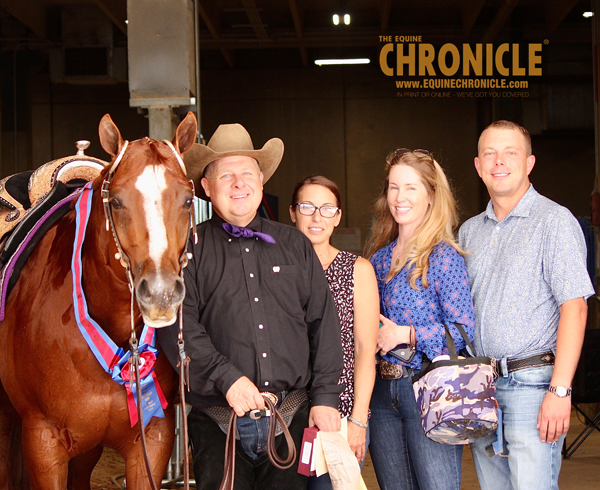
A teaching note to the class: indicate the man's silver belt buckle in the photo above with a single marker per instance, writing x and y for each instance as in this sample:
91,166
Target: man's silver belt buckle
265,412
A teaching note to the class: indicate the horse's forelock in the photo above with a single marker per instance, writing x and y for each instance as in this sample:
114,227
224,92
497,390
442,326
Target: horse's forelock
158,152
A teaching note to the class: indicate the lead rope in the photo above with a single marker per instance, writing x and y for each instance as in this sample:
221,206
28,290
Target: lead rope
134,373
184,378
276,460
184,360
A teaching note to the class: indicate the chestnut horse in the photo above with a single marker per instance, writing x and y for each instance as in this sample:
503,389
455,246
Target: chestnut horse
55,394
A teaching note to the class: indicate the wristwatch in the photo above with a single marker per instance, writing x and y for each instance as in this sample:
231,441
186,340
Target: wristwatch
560,391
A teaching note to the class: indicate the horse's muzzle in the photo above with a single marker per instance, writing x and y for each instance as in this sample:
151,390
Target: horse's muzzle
159,299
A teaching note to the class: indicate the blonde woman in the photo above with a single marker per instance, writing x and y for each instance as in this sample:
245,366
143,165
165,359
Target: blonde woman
316,212
423,285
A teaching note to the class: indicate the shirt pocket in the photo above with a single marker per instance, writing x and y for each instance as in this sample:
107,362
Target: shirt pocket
284,270
289,286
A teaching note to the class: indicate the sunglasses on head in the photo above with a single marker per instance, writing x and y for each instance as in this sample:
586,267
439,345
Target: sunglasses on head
399,152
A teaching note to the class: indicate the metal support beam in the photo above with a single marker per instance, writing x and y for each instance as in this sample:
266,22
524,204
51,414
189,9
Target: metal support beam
30,13
211,23
162,122
197,71
470,11
116,11
369,36
254,16
595,198
555,11
297,18
596,61
502,15
385,6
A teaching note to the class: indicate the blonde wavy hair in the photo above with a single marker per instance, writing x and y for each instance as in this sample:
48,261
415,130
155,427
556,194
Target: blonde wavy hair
438,225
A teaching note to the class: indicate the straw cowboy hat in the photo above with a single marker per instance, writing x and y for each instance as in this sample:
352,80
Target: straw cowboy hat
231,140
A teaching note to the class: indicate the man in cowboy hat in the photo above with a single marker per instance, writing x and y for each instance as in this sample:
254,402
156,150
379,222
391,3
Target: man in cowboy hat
258,319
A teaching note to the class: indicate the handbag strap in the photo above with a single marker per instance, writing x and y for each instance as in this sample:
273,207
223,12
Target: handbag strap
450,341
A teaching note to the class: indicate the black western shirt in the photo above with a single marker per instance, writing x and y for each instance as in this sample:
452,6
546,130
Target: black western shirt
259,310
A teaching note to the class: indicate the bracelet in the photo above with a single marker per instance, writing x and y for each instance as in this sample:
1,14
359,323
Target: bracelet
356,422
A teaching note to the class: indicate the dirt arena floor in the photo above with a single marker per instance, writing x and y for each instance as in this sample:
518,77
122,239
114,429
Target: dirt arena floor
580,472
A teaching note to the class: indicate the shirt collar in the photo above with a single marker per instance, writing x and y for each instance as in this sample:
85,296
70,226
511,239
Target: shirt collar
217,221
522,209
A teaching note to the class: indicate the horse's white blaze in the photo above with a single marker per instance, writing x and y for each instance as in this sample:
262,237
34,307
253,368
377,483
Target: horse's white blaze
152,183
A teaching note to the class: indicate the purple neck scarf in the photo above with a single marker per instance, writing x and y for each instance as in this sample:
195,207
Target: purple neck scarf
240,231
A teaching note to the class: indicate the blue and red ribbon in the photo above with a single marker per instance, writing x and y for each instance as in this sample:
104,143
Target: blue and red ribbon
114,359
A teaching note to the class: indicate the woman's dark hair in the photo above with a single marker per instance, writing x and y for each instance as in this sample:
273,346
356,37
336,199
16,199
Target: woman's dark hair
318,180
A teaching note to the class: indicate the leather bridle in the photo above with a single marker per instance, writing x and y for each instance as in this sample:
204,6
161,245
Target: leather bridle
134,361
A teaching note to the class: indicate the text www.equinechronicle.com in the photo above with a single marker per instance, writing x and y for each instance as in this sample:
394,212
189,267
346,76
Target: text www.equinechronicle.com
462,83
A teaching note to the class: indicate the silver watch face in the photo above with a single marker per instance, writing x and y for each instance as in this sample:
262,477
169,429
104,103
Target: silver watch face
561,391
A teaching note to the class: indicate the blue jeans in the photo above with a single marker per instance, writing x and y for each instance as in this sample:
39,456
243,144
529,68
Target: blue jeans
531,464
253,436
404,458
323,482
253,471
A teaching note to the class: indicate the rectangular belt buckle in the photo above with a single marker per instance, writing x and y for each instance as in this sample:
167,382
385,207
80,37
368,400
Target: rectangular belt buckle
389,371
265,412
257,414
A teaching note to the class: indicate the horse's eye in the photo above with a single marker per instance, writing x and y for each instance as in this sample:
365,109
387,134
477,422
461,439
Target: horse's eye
116,204
188,203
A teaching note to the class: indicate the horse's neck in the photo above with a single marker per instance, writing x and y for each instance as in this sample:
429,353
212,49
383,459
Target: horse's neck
105,282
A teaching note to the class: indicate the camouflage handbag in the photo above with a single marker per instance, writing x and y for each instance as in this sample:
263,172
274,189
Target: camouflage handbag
457,396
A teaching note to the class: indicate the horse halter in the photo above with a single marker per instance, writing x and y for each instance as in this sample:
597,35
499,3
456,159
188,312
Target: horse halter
122,257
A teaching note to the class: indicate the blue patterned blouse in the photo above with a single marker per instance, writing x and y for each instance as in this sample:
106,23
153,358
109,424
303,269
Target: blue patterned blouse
446,300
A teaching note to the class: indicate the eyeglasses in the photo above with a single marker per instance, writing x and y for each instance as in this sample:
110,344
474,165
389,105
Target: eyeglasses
309,209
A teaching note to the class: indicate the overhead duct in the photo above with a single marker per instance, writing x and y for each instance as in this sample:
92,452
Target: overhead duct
87,54
161,53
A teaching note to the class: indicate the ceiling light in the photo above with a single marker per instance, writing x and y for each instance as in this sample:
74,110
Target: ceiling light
336,19
352,61
588,14
347,19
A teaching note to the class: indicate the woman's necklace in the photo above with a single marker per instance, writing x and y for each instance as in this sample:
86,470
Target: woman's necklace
398,255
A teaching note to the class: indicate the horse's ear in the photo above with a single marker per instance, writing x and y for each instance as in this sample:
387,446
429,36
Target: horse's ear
110,136
185,136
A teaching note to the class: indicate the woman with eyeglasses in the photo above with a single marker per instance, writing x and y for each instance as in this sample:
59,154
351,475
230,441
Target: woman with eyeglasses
423,284
316,212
